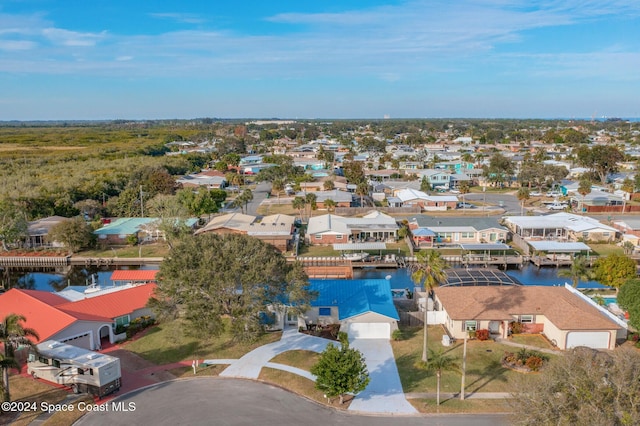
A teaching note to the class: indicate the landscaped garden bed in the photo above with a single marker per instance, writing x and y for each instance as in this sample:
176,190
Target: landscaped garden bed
525,360
326,332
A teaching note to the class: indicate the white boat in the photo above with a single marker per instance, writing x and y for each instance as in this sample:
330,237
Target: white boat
355,257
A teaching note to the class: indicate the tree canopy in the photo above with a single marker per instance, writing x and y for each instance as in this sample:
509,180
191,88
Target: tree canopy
74,234
614,269
629,299
209,277
601,159
583,387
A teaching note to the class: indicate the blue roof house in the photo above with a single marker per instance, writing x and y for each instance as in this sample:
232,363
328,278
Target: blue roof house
363,308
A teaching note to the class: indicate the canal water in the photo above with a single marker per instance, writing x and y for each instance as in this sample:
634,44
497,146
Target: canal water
50,281
528,275
400,278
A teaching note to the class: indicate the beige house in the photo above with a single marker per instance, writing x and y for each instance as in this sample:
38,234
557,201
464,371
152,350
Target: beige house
563,315
277,230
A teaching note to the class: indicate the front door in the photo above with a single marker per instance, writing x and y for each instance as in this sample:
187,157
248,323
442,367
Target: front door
292,319
494,327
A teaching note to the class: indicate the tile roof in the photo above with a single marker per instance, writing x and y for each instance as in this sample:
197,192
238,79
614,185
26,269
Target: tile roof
564,309
134,275
355,297
111,305
39,309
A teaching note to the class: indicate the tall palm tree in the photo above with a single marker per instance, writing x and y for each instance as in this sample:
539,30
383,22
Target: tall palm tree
298,203
439,362
429,270
579,270
12,335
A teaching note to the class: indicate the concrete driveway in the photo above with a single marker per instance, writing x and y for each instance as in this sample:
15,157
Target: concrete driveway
384,393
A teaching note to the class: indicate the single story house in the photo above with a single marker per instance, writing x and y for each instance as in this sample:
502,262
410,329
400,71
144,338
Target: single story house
560,226
38,231
628,226
85,322
208,180
563,315
145,229
277,230
413,197
364,308
428,231
329,229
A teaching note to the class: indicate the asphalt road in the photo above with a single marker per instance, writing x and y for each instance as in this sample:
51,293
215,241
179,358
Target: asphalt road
230,402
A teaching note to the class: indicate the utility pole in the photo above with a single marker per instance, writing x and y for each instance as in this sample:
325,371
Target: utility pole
464,366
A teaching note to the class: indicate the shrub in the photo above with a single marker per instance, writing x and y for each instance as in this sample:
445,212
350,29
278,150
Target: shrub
397,335
534,363
516,327
482,334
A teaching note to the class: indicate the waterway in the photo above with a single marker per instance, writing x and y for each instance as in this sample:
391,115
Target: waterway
400,278
528,275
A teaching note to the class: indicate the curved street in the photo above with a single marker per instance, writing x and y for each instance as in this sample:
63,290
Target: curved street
234,402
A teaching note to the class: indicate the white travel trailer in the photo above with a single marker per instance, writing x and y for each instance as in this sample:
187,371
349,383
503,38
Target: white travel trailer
80,369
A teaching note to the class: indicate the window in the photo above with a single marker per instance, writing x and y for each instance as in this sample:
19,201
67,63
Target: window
43,360
526,319
339,237
55,363
122,321
324,312
317,237
466,235
470,325
81,371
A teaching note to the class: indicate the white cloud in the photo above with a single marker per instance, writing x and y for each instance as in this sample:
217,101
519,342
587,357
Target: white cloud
72,38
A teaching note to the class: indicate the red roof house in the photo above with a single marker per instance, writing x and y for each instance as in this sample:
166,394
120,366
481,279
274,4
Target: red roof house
82,323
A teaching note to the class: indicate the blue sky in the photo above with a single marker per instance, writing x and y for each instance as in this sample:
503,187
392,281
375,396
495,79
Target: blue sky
141,59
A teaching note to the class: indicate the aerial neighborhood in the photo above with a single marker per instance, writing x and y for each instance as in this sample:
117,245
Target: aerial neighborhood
455,251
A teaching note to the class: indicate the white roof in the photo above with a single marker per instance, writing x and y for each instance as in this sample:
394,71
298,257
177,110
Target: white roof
62,351
558,247
569,221
342,225
360,246
413,194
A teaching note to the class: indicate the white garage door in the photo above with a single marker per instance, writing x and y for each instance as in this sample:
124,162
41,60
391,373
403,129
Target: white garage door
591,339
369,330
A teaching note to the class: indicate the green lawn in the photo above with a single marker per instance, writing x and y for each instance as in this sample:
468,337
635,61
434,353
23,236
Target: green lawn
166,343
147,250
605,249
536,340
399,248
484,370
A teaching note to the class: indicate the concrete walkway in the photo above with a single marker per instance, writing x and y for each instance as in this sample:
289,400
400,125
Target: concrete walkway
249,366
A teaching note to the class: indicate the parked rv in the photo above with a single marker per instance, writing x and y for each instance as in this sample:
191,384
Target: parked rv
80,369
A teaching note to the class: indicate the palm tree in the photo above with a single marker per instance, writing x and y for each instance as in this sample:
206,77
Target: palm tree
298,203
584,188
523,195
12,335
429,270
439,362
578,271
